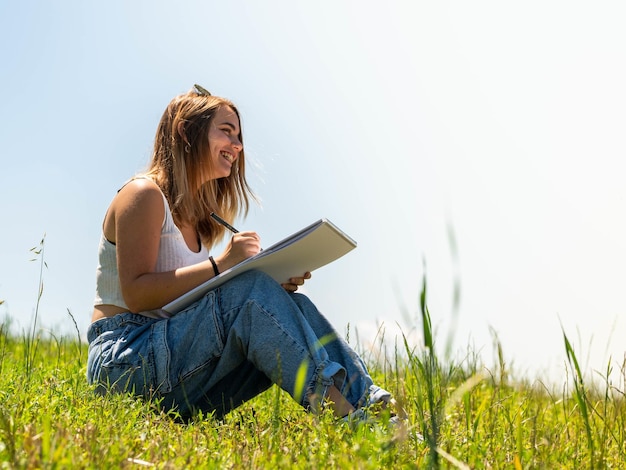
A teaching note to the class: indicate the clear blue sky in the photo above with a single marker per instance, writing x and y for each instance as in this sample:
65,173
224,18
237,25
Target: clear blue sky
396,120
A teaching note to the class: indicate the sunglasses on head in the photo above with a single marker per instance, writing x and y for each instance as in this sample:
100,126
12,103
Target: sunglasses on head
201,90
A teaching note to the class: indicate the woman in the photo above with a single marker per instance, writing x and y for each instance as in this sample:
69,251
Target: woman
241,337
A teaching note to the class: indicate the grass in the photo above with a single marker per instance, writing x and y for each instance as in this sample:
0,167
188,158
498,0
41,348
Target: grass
462,414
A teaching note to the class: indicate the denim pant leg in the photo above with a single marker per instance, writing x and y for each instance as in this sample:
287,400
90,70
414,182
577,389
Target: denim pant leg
268,328
358,380
265,328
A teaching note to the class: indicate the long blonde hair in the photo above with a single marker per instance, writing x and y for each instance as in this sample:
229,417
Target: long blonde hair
180,163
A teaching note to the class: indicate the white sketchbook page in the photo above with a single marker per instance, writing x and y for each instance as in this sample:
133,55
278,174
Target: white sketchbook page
306,250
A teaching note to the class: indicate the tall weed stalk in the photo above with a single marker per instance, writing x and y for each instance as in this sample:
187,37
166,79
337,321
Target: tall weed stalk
31,340
581,397
430,374
432,401
424,366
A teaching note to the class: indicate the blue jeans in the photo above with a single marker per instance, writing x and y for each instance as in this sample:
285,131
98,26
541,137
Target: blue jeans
225,349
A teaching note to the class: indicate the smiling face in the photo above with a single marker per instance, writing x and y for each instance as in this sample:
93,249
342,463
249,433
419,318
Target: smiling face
224,141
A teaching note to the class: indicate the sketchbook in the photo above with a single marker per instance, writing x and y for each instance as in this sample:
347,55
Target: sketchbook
306,250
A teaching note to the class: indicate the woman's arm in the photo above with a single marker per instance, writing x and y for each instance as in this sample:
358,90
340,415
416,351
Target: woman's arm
134,223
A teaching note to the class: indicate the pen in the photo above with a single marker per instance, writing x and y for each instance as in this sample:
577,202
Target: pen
221,221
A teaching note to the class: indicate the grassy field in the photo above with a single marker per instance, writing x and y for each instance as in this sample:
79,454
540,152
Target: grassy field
460,416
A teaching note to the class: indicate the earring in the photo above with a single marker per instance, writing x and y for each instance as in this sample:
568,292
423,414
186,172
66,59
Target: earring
187,148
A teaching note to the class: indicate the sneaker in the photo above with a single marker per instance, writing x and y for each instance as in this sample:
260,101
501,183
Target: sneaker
377,396
378,400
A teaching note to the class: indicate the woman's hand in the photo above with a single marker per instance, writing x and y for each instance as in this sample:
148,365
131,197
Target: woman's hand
242,245
295,282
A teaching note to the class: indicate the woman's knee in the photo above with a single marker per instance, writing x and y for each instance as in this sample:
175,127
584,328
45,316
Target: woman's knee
303,302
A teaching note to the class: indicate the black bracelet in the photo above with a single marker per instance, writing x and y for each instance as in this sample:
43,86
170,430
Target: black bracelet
215,270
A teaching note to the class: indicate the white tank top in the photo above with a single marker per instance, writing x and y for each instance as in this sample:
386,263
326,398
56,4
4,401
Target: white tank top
173,254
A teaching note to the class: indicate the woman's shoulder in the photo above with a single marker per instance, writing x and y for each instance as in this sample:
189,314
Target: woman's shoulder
140,194
140,188
138,203
140,183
